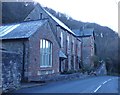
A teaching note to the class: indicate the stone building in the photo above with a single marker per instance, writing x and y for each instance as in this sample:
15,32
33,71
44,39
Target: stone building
88,49
64,36
36,44
46,45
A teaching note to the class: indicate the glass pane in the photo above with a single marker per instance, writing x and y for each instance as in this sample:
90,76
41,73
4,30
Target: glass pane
51,60
40,43
43,60
51,48
43,43
47,46
40,59
43,46
51,55
48,59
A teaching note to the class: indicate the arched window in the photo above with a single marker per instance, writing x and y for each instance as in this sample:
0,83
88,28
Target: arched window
45,53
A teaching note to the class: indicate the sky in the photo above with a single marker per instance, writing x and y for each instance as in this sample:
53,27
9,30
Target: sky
103,12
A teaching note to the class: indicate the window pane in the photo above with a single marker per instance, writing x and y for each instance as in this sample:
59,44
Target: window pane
51,48
43,43
48,59
43,60
47,47
51,60
41,46
40,43
47,44
51,55
48,50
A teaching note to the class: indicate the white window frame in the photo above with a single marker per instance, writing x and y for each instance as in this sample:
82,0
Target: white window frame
45,53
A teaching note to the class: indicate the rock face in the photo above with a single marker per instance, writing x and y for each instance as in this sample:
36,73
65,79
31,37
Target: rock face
102,69
11,73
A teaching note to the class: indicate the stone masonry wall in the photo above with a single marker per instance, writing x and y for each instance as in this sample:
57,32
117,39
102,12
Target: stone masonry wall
34,68
87,51
11,70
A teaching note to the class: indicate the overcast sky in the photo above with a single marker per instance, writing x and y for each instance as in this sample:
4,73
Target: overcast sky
103,12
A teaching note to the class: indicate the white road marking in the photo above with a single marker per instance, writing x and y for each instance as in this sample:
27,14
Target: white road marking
102,84
105,82
98,88
109,80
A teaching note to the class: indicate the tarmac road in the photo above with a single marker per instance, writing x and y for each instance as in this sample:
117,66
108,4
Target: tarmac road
99,84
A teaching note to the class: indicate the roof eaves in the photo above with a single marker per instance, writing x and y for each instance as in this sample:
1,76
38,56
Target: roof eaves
22,37
14,38
60,23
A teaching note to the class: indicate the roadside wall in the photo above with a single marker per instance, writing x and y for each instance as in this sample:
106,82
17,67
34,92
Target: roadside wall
11,70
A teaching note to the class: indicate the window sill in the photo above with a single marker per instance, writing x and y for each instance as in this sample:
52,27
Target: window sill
45,66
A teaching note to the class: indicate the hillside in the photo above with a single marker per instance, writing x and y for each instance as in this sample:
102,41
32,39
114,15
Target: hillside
15,12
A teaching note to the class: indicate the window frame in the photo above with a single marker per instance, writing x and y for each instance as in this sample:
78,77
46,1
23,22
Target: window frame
46,53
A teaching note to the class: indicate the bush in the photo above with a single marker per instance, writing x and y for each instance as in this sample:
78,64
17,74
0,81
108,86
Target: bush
95,60
88,68
68,72
109,65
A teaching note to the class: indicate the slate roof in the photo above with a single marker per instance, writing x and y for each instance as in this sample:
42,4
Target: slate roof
85,32
62,55
60,23
20,30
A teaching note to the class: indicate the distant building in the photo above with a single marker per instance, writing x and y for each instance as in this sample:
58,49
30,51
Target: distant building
88,48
